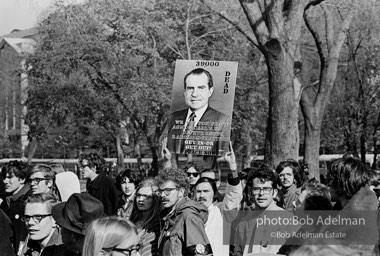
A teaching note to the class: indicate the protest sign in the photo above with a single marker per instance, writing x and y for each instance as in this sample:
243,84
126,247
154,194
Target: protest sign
201,110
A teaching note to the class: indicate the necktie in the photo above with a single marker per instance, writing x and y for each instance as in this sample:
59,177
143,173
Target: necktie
190,125
188,130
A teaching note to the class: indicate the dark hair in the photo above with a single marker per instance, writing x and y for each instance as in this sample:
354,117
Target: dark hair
296,168
175,175
279,199
198,165
212,182
199,71
153,212
349,175
94,160
133,177
18,168
46,171
264,174
317,202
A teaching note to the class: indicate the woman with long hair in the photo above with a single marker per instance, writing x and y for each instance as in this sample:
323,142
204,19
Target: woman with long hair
145,215
111,236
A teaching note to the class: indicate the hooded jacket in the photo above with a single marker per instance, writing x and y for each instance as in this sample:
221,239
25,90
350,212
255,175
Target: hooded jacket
183,231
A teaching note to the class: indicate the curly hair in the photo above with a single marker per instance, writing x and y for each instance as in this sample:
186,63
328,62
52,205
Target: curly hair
348,176
177,176
17,168
296,168
94,160
133,177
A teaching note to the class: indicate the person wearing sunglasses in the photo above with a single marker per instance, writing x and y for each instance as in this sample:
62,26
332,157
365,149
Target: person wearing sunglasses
111,236
42,230
193,171
15,174
41,179
182,219
145,215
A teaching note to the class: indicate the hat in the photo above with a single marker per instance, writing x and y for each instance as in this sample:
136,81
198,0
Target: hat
67,184
78,212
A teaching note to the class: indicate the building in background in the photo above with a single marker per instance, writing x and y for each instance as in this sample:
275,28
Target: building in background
14,47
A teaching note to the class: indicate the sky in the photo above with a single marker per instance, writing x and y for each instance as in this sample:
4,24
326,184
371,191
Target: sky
22,14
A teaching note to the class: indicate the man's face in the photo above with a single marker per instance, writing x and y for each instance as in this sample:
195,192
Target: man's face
38,230
211,175
197,92
12,183
192,175
127,186
39,184
204,193
170,194
286,177
264,194
87,172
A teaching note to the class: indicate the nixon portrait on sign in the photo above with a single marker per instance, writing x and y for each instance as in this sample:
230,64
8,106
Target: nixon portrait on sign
201,111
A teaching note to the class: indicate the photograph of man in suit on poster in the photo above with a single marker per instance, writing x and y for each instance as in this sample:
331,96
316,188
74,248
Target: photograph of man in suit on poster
199,129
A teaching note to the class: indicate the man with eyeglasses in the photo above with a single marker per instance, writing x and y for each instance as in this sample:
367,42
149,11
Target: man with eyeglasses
250,237
183,220
99,184
15,173
41,179
43,232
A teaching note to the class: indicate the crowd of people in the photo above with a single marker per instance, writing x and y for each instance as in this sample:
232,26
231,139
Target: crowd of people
178,212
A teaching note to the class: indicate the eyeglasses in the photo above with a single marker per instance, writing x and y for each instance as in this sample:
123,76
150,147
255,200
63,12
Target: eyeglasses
138,195
126,251
166,191
36,218
257,190
83,166
36,181
194,174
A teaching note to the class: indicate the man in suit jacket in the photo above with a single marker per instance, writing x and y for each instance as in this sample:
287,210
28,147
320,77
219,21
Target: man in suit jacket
199,129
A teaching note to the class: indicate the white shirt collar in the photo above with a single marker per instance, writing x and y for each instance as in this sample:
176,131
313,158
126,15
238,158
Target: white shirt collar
198,115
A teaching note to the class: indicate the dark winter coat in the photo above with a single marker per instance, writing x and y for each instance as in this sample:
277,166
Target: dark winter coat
183,231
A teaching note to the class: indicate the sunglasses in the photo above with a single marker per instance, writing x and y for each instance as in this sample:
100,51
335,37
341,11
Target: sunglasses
194,174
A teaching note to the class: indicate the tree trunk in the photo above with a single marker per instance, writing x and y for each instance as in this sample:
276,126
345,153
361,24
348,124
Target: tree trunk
282,136
155,166
32,147
248,153
313,123
120,152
